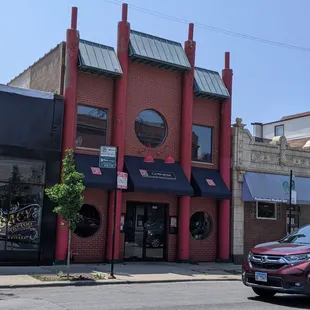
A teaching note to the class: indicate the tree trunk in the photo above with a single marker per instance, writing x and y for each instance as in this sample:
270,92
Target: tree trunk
69,251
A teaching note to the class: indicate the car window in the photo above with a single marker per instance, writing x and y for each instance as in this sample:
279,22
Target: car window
301,235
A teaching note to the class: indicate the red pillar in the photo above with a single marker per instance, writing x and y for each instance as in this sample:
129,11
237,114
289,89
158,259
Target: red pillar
70,85
119,126
225,143
186,145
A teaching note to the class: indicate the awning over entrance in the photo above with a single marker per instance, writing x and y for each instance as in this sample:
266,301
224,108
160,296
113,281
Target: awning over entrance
265,187
157,177
94,176
209,183
274,188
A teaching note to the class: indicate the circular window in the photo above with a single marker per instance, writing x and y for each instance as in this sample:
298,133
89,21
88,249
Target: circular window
200,225
89,223
150,128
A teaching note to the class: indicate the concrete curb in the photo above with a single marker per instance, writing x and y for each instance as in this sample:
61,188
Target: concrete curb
112,282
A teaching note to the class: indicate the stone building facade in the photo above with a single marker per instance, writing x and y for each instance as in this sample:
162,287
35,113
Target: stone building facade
260,189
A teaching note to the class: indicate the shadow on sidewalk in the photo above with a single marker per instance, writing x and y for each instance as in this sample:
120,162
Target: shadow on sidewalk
130,270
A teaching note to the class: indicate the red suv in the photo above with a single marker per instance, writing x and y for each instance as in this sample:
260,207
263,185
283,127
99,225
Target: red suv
280,267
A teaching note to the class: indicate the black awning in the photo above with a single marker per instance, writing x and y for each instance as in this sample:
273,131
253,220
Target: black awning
157,177
209,183
94,176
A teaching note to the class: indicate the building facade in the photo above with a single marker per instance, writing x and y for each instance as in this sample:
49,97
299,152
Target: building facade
294,127
260,189
31,125
171,123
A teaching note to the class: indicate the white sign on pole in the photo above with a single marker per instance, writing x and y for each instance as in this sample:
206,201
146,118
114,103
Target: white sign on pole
122,180
294,197
107,158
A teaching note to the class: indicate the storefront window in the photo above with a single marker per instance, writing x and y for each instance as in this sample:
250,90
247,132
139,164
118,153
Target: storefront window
200,225
21,200
150,128
90,222
91,130
202,143
266,210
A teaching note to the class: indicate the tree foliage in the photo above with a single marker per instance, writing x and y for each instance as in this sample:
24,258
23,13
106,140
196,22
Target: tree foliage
68,194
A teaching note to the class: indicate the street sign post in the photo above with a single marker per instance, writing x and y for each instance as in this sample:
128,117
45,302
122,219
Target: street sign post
108,159
293,198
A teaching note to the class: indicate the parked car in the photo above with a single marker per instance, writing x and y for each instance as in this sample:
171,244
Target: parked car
280,267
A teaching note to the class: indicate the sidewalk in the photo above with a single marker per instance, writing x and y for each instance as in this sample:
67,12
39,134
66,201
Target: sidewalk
14,277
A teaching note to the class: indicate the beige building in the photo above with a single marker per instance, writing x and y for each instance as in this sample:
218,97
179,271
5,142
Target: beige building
260,189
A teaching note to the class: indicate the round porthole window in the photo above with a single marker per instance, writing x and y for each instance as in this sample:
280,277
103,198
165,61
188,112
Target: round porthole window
200,225
150,128
89,223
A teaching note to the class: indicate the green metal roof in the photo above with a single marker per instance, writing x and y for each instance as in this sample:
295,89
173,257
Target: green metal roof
98,59
209,84
146,48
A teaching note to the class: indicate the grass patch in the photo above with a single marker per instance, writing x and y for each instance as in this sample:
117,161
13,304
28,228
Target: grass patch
60,276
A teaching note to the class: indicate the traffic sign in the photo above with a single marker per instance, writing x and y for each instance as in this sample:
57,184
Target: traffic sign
122,179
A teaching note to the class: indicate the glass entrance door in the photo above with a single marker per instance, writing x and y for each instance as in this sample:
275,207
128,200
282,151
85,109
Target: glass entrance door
145,231
21,198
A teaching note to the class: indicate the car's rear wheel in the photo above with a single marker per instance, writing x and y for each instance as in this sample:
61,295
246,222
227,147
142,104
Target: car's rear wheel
263,293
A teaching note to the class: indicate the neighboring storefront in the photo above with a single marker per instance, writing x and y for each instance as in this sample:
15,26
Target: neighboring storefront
261,187
30,154
171,123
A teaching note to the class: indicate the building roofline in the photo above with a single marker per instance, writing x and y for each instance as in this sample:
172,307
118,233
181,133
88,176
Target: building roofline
37,61
289,117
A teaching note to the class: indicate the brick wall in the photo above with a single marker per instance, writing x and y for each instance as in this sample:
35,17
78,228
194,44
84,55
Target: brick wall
93,249
204,250
170,200
46,74
207,113
258,231
153,88
97,91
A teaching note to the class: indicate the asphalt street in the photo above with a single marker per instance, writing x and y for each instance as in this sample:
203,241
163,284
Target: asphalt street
170,296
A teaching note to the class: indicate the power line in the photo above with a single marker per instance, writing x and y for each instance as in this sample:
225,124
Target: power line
214,29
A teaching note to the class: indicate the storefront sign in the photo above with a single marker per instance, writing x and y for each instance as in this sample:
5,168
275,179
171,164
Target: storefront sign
122,178
262,199
152,174
21,223
210,182
96,170
107,158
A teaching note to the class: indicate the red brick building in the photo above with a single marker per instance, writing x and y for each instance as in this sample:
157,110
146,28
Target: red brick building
171,123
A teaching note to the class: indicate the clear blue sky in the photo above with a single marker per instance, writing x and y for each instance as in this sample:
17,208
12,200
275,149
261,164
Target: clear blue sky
269,81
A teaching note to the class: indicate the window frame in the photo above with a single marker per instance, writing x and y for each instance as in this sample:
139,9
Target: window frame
211,225
275,218
275,129
106,134
165,128
212,145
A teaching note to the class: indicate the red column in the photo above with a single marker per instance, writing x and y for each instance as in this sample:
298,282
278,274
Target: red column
186,145
119,126
225,142
70,86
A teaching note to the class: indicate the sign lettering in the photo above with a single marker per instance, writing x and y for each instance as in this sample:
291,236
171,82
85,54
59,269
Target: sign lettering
152,174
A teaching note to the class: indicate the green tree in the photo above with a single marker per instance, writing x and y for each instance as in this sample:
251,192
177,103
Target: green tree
68,197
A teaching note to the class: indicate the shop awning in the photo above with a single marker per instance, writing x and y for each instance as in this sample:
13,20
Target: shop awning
94,176
209,183
266,187
157,177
